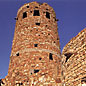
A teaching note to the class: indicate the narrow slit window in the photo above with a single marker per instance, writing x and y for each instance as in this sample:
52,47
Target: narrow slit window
19,84
35,45
36,7
40,58
68,55
36,71
24,15
36,13
48,15
17,54
38,24
50,56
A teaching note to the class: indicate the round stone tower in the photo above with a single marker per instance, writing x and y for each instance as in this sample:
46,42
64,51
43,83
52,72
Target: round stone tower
35,57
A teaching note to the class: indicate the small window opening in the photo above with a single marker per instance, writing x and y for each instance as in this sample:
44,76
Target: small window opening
83,81
43,12
36,13
68,55
48,15
1,82
40,58
24,15
48,33
19,84
54,42
35,71
57,38
16,18
46,9
27,6
17,54
46,25
56,19
38,24
35,45
50,56
36,7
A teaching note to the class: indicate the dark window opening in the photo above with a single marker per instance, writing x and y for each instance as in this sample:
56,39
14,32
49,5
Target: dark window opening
43,12
48,33
36,7
57,38
68,55
46,9
56,19
35,71
35,45
40,58
36,13
48,15
46,25
16,18
19,84
83,80
24,15
54,42
27,6
17,54
50,56
1,82
38,24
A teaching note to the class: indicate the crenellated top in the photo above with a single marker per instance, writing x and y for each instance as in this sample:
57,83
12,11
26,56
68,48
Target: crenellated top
35,5
36,9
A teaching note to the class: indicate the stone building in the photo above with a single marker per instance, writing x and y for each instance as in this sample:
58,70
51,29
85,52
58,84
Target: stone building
35,57
74,61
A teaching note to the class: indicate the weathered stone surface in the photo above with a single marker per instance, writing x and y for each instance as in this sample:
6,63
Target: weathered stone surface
36,58
35,54
74,61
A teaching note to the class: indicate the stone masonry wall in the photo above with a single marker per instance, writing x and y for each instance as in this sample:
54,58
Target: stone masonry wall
74,61
35,57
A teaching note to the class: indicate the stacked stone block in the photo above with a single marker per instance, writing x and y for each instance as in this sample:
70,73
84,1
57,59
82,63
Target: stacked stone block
74,61
35,57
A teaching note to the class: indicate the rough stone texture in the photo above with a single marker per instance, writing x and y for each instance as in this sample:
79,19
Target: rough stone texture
35,57
74,61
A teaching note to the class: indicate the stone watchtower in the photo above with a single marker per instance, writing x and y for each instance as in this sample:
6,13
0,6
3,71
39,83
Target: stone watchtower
35,57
